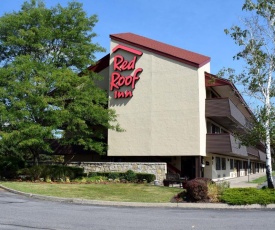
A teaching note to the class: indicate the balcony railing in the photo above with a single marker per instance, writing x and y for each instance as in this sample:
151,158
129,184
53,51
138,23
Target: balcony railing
262,156
224,112
225,144
253,152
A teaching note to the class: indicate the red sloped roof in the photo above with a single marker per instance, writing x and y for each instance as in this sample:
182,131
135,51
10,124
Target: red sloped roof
178,54
100,64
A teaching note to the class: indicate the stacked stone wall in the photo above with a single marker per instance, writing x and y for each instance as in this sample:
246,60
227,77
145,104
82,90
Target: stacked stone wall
158,169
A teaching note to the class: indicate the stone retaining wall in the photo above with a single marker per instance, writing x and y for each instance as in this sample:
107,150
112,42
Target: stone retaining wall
158,169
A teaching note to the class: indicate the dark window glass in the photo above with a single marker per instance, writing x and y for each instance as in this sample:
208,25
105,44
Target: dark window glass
223,164
218,163
231,164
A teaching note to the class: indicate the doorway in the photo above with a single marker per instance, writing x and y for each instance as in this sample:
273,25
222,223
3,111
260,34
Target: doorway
188,167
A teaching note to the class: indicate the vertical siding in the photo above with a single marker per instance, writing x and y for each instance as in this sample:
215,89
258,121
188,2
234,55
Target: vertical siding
225,144
218,108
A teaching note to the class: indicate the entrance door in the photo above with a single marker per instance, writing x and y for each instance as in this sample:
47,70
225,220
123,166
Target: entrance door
188,167
238,168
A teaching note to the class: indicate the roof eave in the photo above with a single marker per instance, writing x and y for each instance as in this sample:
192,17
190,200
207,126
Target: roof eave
197,65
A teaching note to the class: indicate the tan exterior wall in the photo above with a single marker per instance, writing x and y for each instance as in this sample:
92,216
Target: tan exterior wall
166,115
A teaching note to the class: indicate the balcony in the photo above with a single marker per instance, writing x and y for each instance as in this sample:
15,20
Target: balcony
225,144
253,153
262,156
224,112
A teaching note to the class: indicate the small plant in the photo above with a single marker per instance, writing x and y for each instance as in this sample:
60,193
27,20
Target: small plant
146,176
35,172
130,176
213,193
114,175
197,190
215,190
180,196
97,179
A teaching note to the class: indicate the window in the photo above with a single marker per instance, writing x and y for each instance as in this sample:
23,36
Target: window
223,164
235,164
218,163
215,129
241,164
231,164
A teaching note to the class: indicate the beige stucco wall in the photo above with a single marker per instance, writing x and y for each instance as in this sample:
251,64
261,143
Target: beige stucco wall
166,115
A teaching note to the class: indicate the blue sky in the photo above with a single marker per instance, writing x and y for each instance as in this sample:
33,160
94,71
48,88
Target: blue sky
195,25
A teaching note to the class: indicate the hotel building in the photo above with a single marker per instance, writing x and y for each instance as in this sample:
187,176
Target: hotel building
173,110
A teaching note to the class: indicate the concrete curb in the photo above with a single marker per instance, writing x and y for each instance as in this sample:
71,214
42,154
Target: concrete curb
136,204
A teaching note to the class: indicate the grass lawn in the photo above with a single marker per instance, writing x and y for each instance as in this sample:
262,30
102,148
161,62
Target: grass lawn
261,180
109,192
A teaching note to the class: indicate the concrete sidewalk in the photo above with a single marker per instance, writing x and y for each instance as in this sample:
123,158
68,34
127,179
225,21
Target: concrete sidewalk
243,182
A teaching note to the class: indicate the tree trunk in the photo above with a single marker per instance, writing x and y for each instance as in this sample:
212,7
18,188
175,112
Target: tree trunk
269,177
35,159
270,183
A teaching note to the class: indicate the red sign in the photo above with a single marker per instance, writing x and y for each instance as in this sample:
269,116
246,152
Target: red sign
120,64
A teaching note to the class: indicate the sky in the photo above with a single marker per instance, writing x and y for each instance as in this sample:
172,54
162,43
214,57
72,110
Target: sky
194,25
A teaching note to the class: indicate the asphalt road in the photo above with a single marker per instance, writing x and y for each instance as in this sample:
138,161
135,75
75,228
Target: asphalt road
20,212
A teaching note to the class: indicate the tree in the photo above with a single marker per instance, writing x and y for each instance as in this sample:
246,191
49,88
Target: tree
257,42
43,96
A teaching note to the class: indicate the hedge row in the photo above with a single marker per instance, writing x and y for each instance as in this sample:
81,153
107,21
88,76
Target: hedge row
52,172
129,176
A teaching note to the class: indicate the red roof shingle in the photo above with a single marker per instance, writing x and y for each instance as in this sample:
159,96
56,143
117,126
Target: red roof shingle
178,54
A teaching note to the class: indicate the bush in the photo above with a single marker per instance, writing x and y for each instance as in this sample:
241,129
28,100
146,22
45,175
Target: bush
206,180
52,172
130,176
197,190
245,196
9,165
114,175
215,190
146,176
36,171
213,193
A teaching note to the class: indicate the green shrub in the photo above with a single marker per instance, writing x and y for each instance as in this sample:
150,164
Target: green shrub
52,172
245,196
96,179
9,165
196,190
92,174
114,175
146,176
130,176
76,171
